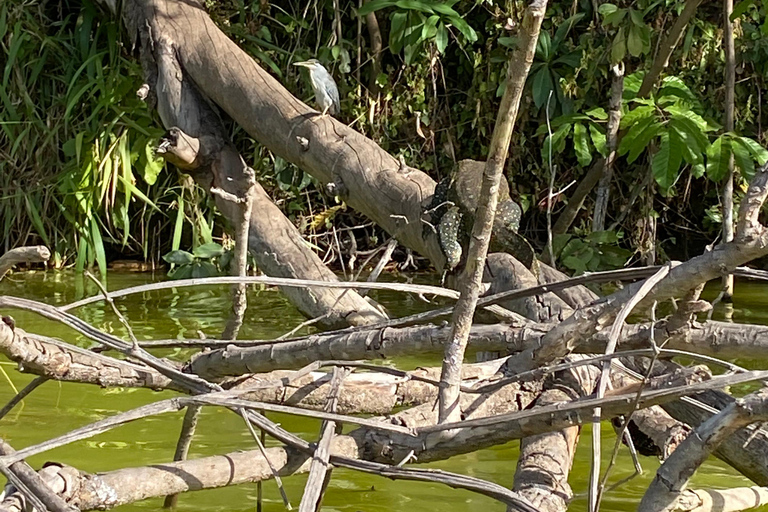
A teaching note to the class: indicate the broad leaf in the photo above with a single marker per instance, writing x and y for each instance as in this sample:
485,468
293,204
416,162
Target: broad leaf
581,145
683,111
637,138
179,257
374,5
564,28
557,141
597,113
674,86
598,140
415,5
758,152
542,85
544,46
666,162
397,32
694,135
688,133
636,115
619,47
718,155
464,28
208,251
441,38
204,269
635,41
743,159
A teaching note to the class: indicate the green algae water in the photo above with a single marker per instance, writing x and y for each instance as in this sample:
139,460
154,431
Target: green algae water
56,408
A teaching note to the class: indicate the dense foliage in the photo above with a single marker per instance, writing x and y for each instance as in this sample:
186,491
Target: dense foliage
79,174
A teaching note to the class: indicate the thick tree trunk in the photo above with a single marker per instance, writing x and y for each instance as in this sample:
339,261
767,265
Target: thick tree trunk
366,176
197,143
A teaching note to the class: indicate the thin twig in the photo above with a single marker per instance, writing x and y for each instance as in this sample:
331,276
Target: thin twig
29,388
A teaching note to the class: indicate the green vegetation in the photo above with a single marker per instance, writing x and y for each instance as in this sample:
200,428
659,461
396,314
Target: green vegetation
78,173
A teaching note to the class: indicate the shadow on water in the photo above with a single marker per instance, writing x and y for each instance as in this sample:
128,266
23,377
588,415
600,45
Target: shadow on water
56,408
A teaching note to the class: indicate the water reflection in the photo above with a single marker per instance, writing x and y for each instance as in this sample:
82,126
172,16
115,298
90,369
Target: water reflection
181,313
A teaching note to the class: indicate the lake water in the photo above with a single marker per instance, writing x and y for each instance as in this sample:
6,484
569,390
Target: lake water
55,408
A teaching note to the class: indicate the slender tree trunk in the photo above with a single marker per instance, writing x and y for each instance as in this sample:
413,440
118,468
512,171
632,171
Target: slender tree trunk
667,46
730,85
611,142
517,72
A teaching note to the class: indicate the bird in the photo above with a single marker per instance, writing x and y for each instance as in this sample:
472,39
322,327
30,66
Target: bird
326,92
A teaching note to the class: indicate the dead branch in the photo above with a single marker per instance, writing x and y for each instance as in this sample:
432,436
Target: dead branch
32,254
673,476
320,469
32,489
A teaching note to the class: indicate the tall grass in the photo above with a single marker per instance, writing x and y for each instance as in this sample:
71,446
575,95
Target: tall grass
77,169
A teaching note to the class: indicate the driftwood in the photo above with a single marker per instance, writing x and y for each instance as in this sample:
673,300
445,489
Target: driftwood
34,254
480,405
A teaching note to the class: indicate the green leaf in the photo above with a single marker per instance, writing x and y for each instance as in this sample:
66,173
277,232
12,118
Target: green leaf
684,111
153,164
179,225
509,42
557,141
597,113
464,28
37,220
138,193
619,47
614,18
740,8
758,152
572,59
635,41
98,246
203,269
208,251
694,143
544,46
598,140
666,162
415,5
636,17
674,86
397,32
179,257
542,85
581,145
429,29
564,28
183,272
606,9
637,138
441,38
374,5
743,159
637,115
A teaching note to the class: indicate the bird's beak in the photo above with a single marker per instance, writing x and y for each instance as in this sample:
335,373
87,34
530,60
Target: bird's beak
304,64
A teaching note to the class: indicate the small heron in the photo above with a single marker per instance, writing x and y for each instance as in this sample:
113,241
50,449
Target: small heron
326,92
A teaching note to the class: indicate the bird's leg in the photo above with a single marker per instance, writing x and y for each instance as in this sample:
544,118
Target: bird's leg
325,112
